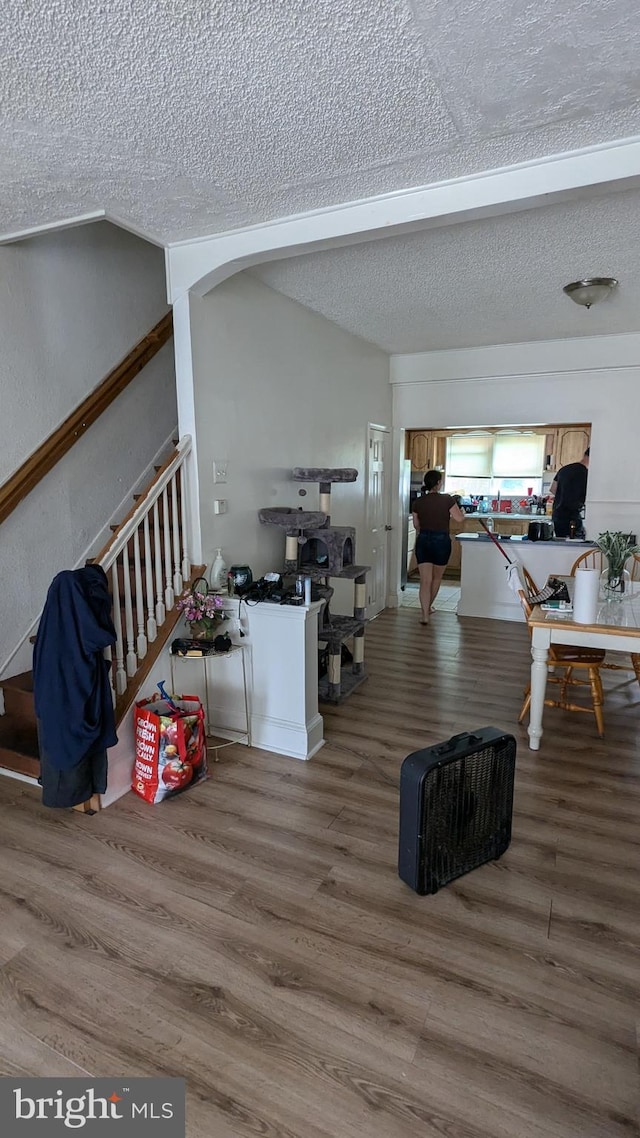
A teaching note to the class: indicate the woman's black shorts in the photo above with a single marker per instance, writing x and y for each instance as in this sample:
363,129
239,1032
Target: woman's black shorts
434,546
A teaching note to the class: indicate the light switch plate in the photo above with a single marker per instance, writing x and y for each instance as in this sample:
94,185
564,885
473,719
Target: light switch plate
219,471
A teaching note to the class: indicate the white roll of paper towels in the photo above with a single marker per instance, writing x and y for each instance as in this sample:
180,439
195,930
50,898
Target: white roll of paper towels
585,596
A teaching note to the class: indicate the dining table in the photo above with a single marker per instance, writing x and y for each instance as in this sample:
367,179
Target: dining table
616,629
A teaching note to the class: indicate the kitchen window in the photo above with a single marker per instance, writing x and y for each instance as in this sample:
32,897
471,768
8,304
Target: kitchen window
507,462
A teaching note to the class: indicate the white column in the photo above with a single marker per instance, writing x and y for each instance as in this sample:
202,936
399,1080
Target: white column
187,424
282,645
539,657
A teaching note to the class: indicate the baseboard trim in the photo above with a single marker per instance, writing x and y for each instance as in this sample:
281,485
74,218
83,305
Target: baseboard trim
295,741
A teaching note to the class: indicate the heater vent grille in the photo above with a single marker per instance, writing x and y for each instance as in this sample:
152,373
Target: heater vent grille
456,805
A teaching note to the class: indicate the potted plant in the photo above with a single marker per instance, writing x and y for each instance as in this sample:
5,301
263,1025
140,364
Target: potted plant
617,547
201,609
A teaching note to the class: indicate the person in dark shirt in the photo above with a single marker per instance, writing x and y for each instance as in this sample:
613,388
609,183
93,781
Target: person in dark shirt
569,491
431,515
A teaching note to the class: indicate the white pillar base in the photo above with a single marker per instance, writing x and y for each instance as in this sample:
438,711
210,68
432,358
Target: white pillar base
297,741
281,642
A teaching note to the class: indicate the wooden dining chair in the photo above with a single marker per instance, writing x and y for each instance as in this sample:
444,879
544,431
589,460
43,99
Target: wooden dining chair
529,582
594,559
568,664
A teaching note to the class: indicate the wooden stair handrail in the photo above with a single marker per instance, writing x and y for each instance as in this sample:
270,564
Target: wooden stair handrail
132,520
27,476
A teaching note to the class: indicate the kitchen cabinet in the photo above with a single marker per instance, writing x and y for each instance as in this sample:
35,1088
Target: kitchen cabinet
566,444
470,525
426,450
419,449
572,443
510,527
439,450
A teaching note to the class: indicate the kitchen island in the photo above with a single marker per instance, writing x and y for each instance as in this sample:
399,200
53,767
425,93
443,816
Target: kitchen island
500,522
484,589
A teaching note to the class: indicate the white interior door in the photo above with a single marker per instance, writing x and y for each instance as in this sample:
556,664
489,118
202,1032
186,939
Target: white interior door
377,513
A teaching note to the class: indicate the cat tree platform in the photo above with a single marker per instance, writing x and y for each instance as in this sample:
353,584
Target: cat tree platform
324,474
290,520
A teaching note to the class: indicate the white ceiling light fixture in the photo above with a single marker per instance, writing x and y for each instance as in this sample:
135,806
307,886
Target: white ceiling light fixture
590,290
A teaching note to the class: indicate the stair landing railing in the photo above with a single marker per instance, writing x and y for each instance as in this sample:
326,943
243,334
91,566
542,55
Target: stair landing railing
147,563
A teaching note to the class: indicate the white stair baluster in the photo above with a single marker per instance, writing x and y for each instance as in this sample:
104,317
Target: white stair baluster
169,595
186,564
175,532
132,660
108,658
161,611
152,628
121,675
141,640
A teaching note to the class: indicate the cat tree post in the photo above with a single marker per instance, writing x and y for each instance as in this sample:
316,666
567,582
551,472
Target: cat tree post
325,499
321,551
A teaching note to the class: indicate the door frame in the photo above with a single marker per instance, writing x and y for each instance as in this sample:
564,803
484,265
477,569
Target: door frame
388,467
398,552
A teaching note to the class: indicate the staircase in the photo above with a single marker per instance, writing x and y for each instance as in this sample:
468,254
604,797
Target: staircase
18,736
147,565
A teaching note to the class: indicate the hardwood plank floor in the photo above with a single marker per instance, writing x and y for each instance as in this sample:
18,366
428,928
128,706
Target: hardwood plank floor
253,935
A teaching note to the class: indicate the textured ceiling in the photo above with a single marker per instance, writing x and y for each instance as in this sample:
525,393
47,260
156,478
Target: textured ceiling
493,281
188,117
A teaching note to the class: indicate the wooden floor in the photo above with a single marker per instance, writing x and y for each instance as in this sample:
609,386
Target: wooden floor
253,936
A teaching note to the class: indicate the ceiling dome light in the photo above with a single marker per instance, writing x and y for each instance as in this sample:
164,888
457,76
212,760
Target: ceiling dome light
591,290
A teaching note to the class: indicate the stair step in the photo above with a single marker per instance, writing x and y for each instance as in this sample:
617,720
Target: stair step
22,682
19,749
18,699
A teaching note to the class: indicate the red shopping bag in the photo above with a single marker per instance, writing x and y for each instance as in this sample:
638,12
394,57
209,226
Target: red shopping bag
171,752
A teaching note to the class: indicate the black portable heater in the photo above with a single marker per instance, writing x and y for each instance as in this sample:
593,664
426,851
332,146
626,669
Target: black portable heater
456,804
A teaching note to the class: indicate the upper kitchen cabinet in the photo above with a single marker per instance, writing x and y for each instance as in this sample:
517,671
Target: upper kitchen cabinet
419,449
426,449
567,444
572,443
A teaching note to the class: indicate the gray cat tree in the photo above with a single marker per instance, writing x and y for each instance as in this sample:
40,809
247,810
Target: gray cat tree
322,551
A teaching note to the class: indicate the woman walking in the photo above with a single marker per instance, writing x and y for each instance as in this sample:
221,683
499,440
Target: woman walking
432,513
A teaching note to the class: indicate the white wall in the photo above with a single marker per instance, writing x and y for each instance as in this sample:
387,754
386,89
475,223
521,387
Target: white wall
279,386
72,304
593,380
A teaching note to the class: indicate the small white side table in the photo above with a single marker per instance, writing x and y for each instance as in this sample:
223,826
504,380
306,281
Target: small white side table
206,662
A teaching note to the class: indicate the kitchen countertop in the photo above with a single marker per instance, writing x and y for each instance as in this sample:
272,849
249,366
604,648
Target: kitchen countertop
516,517
522,539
